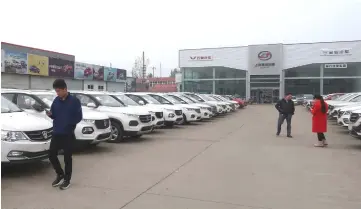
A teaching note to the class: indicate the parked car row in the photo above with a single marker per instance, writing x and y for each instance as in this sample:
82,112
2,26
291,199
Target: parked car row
107,117
345,110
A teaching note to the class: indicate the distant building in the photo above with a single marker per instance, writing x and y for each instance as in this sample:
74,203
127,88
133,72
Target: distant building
163,84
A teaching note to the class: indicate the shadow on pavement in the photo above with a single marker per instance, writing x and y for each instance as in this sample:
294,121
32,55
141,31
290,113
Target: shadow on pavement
27,169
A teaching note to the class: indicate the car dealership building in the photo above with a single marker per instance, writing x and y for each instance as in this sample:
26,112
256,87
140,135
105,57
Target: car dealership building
267,72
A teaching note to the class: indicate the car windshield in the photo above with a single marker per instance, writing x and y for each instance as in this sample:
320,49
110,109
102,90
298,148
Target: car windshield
46,98
198,98
150,99
293,97
107,100
126,100
356,99
186,99
176,97
190,98
342,97
8,107
216,98
207,98
171,99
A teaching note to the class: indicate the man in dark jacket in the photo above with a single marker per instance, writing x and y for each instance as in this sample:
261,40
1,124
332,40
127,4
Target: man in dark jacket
286,109
66,112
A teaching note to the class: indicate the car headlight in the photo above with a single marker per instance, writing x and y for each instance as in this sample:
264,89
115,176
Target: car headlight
347,113
12,136
89,121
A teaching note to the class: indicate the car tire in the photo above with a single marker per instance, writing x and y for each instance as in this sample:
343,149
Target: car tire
184,121
117,134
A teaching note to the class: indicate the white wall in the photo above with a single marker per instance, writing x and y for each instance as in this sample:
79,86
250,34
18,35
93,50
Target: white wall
296,55
95,84
235,57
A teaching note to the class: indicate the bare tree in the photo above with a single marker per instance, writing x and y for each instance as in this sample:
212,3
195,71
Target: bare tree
137,69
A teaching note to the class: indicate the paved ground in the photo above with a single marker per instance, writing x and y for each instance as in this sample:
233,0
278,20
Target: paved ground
232,162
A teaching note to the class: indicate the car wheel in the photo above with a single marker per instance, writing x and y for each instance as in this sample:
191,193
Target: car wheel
184,121
116,133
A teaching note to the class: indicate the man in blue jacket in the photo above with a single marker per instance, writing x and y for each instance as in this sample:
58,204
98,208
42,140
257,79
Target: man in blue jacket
66,112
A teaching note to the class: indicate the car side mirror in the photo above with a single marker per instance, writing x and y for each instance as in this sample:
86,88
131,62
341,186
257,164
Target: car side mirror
37,107
141,102
91,104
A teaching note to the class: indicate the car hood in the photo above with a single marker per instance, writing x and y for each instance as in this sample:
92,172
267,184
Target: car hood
342,104
169,107
126,110
188,106
200,105
94,115
333,102
147,108
22,121
351,107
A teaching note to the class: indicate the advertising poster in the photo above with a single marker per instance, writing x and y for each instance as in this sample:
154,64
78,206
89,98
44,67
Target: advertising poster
98,72
61,68
15,62
121,75
83,71
110,74
38,65
2,61
130,84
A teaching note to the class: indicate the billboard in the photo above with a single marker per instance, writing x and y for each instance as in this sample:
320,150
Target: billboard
98,72
2,60
110,74
131,84
38,65
83,71
61,68
121,75
15,62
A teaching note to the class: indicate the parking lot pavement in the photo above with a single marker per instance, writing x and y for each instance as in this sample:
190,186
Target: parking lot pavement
231,162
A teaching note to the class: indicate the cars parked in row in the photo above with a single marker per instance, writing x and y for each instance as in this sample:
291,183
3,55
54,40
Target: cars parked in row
107,117
345,111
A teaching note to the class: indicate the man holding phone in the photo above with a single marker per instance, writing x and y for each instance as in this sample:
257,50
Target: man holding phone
66,112
286,109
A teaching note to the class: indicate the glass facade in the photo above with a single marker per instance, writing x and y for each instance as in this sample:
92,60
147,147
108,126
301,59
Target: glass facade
231,87
319,78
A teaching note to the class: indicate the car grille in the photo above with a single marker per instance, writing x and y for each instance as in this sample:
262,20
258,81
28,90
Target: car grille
102,124
43,135
209,109
103,136
178,112
354,117
198,110
233,107
33,155
214,109
224,106
340,113
145,118
159,114
146,128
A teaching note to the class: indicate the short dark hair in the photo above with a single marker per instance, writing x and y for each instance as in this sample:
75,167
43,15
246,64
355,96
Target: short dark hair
59,84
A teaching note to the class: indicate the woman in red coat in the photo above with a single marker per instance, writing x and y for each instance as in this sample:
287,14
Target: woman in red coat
319,120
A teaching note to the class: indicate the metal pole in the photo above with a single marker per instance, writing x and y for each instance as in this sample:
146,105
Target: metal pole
143,65
160,69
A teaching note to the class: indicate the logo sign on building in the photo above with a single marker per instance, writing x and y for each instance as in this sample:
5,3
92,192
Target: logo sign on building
265,59
200,58
336,52
339,65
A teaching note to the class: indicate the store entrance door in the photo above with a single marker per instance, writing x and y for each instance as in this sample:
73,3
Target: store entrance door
265,95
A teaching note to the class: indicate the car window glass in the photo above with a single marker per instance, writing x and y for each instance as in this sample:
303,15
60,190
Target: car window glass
356,99
84,99
26,101
8,96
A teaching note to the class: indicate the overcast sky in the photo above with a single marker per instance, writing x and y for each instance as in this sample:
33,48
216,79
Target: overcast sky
103,32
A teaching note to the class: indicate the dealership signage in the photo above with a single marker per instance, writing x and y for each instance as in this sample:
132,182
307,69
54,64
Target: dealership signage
336,52
200,58
339,65
265,59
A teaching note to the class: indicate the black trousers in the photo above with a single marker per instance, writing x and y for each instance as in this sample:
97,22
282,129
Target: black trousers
281,119
321,137
63,142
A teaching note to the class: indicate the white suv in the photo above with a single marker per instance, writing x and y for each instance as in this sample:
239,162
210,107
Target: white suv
172,114
93,129
191,113
343,114
354,126
24,137
125,121
157,112
206,110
